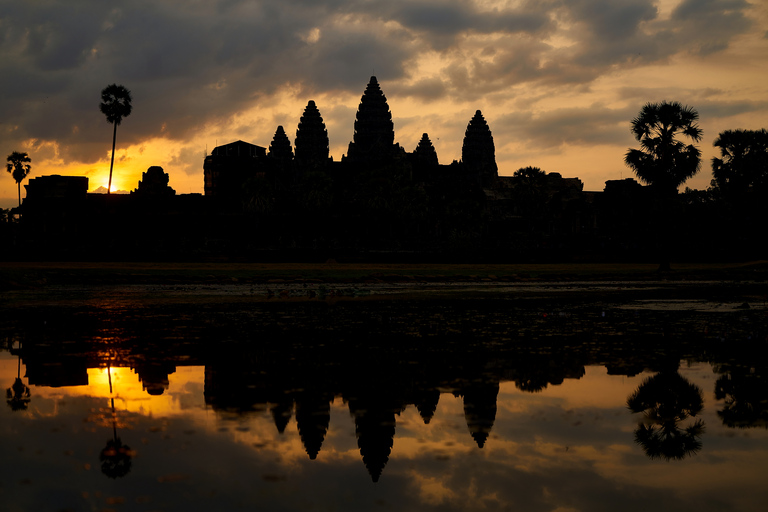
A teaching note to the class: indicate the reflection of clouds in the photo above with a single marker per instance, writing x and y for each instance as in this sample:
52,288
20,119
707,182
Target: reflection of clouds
538,460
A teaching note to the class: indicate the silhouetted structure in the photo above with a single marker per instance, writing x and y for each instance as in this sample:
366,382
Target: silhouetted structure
154,183
229,166
311,144
478,152
373,142
381,202
280,152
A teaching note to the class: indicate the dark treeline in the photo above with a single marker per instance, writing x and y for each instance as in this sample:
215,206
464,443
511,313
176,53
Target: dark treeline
381,202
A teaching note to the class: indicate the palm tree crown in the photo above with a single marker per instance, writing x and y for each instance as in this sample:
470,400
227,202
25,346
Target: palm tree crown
19,167
115,103
663,160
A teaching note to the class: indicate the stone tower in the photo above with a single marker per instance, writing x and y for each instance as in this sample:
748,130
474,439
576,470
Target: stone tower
478,152
425,152
374,138
280,151
311,140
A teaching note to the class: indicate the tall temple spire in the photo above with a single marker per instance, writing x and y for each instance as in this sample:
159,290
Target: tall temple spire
374,130
480,410
311,139
313,416
478,152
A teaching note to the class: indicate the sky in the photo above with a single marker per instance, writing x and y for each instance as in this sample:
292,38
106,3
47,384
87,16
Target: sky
558,81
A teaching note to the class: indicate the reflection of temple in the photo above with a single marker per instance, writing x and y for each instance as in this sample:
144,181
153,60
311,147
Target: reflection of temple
348,353
480,409
375,430
313,416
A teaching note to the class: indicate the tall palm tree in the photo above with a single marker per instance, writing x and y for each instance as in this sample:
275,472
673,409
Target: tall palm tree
663,161
19,167
115,104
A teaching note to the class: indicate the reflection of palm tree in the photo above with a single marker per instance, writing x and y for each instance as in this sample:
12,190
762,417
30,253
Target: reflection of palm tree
745,398
667,399
115,457
18,395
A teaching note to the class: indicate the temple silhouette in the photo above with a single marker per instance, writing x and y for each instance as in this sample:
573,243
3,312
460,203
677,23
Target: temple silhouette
379,201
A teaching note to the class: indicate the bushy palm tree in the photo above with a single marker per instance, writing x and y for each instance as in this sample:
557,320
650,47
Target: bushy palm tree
115,104
662,160
19,167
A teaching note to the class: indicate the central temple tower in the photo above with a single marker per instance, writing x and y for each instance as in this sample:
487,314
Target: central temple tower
374,138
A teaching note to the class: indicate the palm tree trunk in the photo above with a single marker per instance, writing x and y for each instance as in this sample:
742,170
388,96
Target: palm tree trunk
114,137
19,185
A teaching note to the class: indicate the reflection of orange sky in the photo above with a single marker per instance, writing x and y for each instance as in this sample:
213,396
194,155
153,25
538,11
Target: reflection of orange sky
128,393
574,408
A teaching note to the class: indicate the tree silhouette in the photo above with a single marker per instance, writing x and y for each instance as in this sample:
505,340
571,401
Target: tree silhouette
115,104
18,395
663,161
744,392
743,167
667,399
19,167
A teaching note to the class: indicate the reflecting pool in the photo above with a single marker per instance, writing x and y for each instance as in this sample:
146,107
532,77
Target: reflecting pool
500,402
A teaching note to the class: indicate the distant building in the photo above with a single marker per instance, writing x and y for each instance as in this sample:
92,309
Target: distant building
229,166
154,182
55,186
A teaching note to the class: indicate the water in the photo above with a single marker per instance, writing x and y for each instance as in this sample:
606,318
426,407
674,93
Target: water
497,402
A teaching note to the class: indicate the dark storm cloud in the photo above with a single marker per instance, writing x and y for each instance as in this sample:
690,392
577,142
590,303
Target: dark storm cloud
189,64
